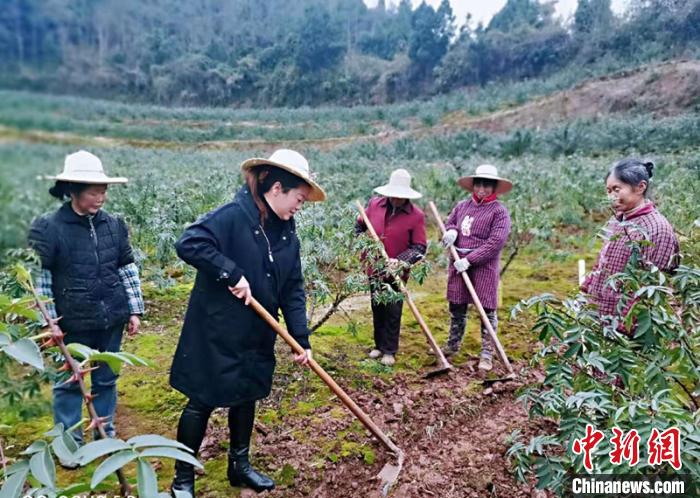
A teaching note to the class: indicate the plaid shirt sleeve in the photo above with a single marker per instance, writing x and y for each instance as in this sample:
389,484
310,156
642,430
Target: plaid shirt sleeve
129,275
413,254
663,253
43,288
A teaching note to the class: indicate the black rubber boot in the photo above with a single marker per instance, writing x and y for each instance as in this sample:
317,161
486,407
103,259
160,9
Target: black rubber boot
190,432
240,472
183,483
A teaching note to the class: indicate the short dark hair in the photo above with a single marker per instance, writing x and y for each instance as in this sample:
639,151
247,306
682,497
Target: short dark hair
632,171
260,179
62,190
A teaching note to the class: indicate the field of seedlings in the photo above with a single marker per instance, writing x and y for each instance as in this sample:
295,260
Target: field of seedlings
460,438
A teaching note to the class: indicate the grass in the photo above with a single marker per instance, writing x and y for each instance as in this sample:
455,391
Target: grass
558,200
147,404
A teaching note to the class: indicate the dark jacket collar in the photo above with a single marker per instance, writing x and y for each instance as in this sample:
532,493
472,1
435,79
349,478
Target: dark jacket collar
67,215
245,199
406,208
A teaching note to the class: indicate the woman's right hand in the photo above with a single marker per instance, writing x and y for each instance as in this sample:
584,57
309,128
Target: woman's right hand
242,290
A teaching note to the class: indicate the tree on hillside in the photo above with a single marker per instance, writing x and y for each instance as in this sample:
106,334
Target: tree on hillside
400,24
12,29
592,16
522,13
225,52
429,39
385,36
352,15
522,40
655,27
592,28
444,12
319,42
404,13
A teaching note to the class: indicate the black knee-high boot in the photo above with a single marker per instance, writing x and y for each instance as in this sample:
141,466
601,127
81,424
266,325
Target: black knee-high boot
190,432
240,472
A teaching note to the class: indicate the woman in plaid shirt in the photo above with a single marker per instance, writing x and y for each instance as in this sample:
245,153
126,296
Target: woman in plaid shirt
478,227
89,275
636,219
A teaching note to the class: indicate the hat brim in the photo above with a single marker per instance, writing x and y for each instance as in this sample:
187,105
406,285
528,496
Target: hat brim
503,186
89,180
398,192
317,194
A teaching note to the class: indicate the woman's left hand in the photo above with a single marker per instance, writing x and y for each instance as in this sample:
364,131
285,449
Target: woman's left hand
134,325
461,265
303,359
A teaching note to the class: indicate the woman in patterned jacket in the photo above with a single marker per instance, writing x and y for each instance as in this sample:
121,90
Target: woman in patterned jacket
636,218
478,227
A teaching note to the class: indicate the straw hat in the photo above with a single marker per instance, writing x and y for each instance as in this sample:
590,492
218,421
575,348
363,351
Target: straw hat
83,167
295,163
489,172
399,186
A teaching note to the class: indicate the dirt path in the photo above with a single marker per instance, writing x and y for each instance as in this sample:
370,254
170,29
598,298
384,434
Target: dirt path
454,437
663,90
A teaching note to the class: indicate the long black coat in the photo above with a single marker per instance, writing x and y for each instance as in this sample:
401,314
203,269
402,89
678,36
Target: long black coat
225,355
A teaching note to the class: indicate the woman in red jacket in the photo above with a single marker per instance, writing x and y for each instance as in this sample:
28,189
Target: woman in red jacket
400,225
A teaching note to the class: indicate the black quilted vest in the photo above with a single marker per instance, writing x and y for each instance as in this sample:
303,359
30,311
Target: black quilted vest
87,289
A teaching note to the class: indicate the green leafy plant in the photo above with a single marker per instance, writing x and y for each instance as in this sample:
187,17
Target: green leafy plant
638,371
36,473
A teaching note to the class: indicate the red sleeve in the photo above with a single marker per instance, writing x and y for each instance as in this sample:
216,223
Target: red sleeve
418,235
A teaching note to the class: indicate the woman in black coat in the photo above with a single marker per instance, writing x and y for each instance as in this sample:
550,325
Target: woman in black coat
225,356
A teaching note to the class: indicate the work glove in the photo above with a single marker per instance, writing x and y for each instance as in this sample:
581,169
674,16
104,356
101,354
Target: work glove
461,265
395,264
449,238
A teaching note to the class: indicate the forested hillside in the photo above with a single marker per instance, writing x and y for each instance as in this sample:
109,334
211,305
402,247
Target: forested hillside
256,53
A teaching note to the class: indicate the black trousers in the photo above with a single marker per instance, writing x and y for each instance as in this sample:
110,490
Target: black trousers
386,319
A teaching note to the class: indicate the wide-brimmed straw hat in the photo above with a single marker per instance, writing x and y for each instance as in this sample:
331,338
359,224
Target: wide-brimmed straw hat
293,162
83,167
399,186
488,172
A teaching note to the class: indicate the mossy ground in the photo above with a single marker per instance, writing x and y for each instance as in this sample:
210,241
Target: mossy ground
147,404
